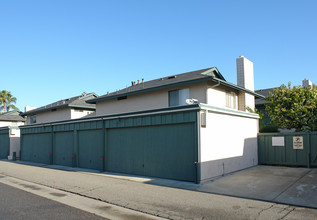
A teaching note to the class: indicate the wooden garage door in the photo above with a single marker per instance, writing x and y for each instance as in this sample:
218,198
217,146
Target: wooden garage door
166,151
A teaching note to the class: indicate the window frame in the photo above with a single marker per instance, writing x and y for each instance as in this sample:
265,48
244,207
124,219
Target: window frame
179,96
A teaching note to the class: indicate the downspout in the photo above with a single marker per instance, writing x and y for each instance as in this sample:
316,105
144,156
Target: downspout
198,156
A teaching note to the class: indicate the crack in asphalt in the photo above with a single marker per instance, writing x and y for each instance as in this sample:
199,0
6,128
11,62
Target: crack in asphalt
288,213
87,191
263,210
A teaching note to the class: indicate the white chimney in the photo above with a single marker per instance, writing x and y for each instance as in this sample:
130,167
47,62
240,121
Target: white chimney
245,75
307,82
28,108
245,79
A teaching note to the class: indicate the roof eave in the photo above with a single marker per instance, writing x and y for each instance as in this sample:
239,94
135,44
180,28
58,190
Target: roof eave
14,120
58,107
223,82
237,87
93,101
82,106
44,109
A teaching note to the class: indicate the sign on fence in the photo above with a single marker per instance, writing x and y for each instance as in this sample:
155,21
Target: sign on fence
298,143
277,141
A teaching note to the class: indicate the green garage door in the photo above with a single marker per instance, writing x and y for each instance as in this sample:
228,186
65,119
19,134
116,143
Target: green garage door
64,144
37,148
166,151
4,145
90,152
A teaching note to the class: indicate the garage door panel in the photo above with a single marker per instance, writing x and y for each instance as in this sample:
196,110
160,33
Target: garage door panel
124,146
4,145
161,151
171,153
37,148
64,144
90,149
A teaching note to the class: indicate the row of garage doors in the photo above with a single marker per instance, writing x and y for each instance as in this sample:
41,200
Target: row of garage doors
166,151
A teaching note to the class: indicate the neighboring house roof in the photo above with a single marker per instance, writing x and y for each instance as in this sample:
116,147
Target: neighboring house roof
12,116
209,74
73,102
265,93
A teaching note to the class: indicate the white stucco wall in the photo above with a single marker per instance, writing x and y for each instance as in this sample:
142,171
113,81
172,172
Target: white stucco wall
59,115
228,143
10,123
80,113
14,141
216,97
148,101
49,116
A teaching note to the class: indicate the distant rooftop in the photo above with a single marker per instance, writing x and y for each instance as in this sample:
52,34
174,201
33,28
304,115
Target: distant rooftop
11,116
75,102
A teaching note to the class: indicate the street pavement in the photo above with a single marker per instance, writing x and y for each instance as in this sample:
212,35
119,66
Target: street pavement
150,198
17,204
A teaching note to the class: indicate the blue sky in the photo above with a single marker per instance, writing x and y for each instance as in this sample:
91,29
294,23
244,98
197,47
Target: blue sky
56,49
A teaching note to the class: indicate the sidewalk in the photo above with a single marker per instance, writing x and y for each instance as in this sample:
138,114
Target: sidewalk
150,196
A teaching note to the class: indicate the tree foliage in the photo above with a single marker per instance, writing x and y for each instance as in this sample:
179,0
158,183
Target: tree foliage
293,107
7,101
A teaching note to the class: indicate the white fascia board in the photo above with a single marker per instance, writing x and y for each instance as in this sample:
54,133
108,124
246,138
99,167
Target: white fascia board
227,111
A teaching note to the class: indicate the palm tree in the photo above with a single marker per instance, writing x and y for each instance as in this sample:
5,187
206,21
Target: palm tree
7,100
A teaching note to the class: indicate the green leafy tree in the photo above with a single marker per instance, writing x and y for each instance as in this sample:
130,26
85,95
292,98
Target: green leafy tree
7,100
263,127
293,107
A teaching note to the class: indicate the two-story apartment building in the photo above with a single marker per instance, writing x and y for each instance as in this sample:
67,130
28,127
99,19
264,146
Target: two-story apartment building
191,126
227,133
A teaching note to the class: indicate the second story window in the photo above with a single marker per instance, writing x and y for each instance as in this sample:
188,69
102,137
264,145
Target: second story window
231,100
178,97
32,119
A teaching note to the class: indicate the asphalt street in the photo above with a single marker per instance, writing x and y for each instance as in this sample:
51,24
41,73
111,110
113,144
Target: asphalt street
146,198
18,204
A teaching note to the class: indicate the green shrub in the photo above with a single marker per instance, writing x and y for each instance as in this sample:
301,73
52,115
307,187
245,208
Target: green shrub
269,128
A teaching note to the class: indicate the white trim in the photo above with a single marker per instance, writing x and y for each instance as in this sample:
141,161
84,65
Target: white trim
210,108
